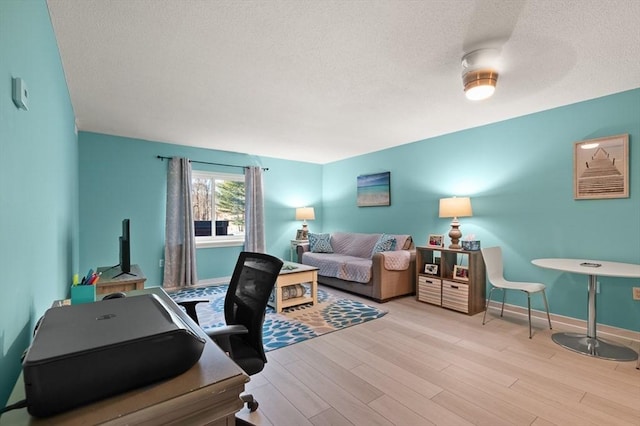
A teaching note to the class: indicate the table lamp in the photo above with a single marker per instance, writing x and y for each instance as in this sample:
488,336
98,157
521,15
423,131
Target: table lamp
304,214
455,207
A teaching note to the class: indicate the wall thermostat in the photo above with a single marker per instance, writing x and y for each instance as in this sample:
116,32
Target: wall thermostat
20,94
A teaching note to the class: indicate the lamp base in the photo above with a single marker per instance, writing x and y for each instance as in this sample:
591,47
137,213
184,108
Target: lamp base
455,234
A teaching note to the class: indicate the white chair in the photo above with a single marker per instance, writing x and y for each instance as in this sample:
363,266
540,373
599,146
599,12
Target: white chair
493,261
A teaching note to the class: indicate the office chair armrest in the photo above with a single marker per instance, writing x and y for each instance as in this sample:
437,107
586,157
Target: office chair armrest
227,330
190,307
221,335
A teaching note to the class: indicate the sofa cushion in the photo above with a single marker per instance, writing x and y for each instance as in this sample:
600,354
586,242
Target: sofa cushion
320,243
354,244
356,269
328,264
337,265
386,242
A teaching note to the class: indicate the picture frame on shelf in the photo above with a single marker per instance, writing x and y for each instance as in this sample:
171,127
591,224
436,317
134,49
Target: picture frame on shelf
431,268
461,273
300,235
435,241
601,168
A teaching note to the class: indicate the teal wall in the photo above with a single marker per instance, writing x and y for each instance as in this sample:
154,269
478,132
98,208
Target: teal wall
518,172
38,181
519,175
123,178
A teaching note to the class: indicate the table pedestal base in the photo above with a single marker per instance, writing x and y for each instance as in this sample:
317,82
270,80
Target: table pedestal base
594,347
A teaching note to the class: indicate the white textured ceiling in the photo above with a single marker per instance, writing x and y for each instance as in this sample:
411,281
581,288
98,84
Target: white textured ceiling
323,80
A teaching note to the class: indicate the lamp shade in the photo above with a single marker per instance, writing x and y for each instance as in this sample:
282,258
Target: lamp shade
305,213
455,207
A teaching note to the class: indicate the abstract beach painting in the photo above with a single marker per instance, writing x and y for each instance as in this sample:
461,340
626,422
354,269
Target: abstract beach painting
374,189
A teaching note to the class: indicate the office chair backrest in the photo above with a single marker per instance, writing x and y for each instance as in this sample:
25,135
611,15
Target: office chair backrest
493,261
251,284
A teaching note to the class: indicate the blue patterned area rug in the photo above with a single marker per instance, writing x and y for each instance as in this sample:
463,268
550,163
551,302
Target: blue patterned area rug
292,325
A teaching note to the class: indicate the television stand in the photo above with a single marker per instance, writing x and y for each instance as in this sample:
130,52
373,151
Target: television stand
112,280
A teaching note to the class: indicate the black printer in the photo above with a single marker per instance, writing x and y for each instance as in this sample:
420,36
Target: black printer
83,353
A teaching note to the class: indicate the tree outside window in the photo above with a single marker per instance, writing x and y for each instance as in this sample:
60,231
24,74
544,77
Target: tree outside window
218,206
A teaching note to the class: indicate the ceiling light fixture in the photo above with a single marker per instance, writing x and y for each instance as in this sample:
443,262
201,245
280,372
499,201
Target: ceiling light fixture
480,74
479,85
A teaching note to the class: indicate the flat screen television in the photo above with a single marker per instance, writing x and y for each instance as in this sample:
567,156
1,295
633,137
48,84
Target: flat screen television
125,248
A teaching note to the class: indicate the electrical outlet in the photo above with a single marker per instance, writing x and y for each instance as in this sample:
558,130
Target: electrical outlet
161,263
636,293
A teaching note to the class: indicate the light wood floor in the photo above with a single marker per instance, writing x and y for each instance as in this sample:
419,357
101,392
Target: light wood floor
423,365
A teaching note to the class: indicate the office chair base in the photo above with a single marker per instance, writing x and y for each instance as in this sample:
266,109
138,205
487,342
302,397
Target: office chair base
252,404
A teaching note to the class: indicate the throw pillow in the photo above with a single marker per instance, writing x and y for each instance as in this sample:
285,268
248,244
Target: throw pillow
385,243
320,243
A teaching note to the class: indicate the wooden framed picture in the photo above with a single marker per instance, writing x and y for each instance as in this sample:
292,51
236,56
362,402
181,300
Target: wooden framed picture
431,268
601,168
461,273
435,240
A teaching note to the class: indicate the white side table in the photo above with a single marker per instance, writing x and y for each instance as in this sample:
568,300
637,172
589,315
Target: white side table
294,247
591,344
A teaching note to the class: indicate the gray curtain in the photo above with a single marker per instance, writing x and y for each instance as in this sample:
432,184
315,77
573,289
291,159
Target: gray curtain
180,244
253,210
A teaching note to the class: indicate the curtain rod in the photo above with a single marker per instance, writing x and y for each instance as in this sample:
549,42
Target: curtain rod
213,164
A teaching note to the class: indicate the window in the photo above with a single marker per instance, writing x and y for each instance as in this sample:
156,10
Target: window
218,208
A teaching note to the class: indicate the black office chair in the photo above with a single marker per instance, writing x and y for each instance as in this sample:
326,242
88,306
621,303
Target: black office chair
251,285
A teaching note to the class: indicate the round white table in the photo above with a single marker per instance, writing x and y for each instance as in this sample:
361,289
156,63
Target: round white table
590,344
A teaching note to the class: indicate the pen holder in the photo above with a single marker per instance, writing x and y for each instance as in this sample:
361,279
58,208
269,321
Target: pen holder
83,294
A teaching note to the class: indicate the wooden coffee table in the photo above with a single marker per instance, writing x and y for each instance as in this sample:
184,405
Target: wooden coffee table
295,273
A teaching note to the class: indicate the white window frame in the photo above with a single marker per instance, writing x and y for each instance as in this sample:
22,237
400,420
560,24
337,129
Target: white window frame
218,240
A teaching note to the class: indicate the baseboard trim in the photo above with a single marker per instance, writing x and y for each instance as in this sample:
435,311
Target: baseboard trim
202,283
579,325
213,281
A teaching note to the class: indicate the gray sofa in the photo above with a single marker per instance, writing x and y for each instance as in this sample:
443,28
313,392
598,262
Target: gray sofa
355,264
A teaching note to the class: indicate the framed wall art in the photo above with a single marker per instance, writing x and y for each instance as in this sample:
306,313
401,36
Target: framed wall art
435,240
374,190
601,168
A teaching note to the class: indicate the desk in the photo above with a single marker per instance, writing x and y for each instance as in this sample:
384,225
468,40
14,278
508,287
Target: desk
590,344
207,393
109,283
